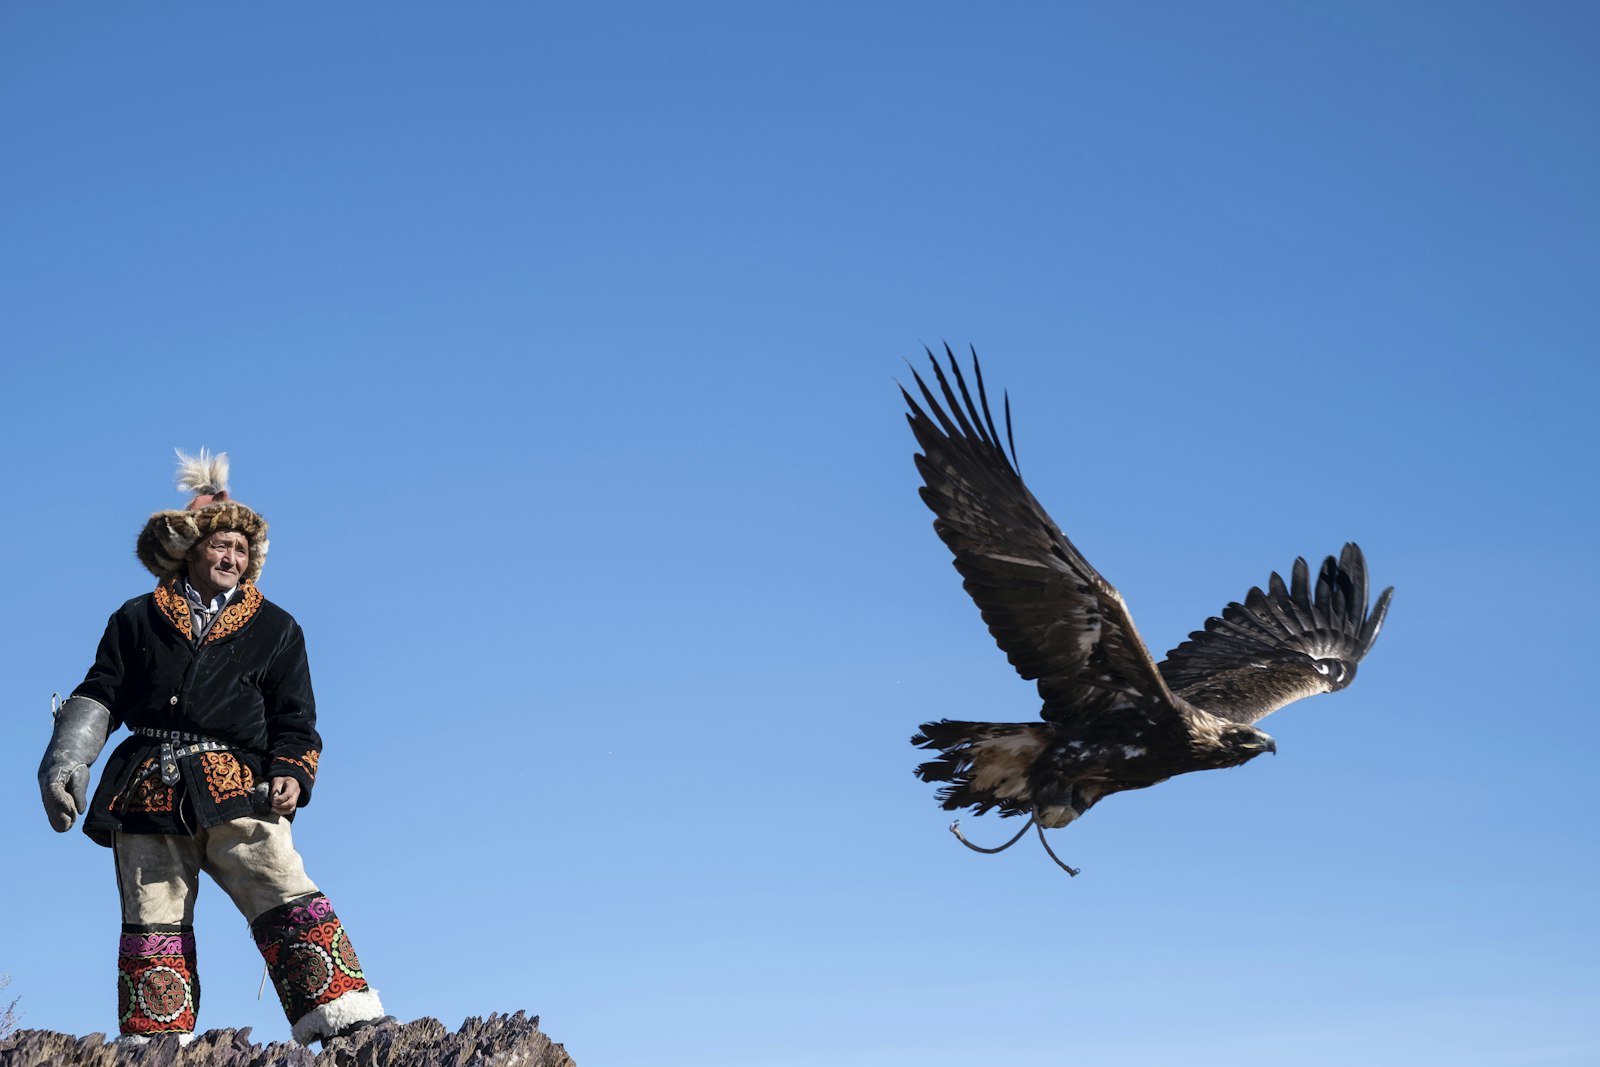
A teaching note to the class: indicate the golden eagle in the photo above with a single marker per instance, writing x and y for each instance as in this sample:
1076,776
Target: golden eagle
1114,718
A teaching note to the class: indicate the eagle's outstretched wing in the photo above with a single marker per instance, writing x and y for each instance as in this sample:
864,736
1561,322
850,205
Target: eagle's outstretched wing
1281,645
1056,619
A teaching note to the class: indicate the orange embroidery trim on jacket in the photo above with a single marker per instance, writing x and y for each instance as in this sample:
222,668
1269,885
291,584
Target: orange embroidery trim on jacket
235,615
307,763
175,606
150,793
226,777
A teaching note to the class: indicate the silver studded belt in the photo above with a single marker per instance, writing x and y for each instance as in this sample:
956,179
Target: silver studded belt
175,745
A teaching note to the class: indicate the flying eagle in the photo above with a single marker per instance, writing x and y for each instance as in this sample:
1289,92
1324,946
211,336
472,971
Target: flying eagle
1114,718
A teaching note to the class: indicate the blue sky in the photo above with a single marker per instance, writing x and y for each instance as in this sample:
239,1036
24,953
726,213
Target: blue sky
558,345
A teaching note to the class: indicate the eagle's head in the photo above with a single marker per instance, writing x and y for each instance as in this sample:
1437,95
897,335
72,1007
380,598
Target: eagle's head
1235,743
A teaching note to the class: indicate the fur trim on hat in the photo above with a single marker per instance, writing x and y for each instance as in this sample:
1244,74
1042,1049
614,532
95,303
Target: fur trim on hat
164,543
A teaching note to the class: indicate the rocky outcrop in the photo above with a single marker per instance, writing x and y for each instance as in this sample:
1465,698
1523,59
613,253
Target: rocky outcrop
498,1041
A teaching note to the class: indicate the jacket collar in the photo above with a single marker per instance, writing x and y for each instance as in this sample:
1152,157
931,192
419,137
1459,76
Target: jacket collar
174,605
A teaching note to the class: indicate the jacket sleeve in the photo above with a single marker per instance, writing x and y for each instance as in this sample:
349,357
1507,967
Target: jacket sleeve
293,744
104,682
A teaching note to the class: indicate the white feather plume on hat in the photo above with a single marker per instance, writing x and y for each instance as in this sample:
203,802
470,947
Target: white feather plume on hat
204,473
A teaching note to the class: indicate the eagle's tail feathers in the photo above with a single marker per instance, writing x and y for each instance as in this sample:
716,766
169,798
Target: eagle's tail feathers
985,764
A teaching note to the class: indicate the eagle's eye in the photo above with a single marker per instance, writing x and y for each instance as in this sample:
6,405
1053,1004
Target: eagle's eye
1322,667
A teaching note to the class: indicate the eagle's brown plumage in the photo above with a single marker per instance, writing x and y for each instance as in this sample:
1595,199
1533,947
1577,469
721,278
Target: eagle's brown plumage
1114,719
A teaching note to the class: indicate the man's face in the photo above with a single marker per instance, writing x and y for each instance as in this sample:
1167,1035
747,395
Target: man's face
219,560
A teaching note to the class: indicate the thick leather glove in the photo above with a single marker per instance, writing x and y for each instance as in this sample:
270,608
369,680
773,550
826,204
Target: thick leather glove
81,729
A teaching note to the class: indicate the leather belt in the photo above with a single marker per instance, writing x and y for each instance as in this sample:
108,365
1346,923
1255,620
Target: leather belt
175,745
170,735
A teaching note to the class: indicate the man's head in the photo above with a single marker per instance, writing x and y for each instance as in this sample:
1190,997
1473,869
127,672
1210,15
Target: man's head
217,562
177,542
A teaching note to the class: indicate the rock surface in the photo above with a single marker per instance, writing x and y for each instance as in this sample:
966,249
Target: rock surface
498,1041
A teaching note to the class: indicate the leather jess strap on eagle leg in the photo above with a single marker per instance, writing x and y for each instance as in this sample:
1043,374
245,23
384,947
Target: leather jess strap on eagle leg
955,828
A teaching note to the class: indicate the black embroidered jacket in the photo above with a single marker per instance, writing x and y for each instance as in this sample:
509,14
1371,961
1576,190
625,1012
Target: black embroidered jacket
247,685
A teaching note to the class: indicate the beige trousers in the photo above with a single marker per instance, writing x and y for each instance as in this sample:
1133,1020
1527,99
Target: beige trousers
252,859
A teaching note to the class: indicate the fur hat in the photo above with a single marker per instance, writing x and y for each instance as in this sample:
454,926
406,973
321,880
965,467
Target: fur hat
166,539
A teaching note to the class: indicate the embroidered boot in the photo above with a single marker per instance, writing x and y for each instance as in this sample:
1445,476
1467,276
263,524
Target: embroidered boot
314,969
158,987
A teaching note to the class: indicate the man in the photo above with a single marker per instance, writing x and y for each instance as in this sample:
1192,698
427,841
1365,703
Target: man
212,680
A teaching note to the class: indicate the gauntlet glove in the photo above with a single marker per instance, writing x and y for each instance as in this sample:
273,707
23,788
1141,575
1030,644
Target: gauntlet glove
82,726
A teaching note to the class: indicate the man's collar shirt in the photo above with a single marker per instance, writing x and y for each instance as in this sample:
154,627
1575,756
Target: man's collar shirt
205,612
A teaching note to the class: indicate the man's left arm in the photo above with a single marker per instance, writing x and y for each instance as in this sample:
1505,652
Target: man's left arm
293,744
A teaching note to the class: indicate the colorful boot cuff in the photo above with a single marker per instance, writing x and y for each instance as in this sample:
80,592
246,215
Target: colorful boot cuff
158,988
308,955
